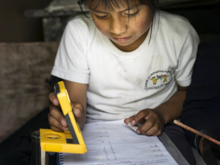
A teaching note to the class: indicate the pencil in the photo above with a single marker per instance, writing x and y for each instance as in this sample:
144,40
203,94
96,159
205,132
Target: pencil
196,132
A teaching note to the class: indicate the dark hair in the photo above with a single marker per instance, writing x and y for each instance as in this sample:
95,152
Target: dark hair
116,3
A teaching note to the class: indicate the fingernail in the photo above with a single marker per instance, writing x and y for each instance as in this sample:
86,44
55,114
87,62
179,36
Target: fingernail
77,112
138,131
55,101
63,123
133,122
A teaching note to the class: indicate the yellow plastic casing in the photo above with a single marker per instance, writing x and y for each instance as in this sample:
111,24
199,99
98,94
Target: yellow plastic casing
52,141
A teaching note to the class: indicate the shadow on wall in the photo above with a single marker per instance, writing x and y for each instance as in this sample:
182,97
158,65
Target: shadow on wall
25,67
14,26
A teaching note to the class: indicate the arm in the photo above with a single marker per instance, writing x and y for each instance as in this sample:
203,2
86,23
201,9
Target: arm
172,109
153,120
77,95
71,64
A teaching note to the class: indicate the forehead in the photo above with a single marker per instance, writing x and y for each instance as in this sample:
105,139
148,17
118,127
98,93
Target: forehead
111,5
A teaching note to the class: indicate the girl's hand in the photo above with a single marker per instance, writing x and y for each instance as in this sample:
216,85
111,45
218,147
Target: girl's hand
56,119
151,120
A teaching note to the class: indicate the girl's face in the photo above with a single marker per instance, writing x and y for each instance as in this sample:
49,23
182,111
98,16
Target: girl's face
127,29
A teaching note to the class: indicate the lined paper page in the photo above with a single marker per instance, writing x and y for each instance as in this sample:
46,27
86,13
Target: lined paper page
115,143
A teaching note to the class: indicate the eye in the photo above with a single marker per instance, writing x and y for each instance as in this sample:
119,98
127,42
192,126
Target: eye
101,17
131,14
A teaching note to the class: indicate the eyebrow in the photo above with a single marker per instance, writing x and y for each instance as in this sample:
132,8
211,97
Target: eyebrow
131,8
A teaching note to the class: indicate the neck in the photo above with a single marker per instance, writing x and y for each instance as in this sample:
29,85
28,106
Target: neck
133,46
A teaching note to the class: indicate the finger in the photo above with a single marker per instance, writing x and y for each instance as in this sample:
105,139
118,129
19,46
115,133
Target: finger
147,126
140,116
156,130
58,129
55,128
127,120
57,115
55,125
159,132
53,98
77,109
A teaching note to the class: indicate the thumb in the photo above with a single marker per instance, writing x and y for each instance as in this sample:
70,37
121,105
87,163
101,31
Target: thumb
56,101
77,109
53,98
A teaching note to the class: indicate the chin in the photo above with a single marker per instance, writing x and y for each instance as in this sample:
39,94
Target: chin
120,44
123,43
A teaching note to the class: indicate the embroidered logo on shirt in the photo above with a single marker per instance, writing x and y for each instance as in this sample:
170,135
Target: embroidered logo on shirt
158,80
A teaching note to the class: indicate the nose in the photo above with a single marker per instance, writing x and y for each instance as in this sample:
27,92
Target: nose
118,26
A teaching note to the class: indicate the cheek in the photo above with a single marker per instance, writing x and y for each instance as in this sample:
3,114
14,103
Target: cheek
141,27
101,26
143,22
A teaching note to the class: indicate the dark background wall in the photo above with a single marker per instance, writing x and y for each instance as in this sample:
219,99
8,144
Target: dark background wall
14,26
205,19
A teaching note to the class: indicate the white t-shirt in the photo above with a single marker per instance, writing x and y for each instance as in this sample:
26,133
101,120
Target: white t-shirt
120,84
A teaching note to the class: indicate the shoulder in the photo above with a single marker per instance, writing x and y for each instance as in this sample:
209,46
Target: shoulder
81,21
173,19
175,25
82,25
176,31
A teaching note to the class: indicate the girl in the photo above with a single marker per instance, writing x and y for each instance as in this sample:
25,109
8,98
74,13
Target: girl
129,61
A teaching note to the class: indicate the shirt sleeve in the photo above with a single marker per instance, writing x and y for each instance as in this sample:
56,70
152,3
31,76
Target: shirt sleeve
71,62
187,57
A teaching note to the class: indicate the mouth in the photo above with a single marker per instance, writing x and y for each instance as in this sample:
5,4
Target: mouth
123,39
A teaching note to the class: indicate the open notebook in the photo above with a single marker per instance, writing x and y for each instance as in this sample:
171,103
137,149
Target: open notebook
115,143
